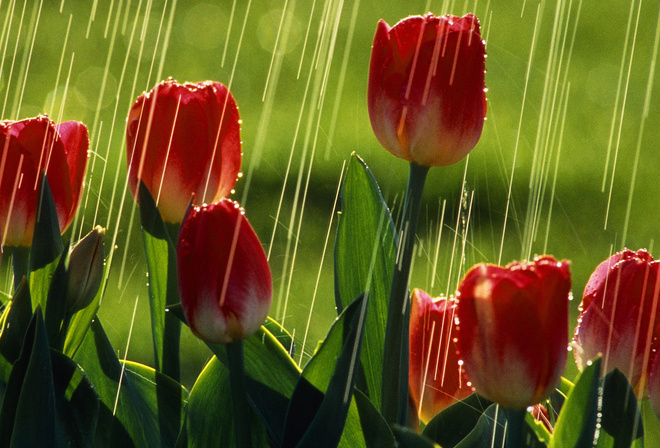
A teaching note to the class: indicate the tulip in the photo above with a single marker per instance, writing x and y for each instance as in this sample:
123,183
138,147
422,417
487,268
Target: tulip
27,149
224,280
184,139
85,270
426,94
619,317
513,329
436,377
541,415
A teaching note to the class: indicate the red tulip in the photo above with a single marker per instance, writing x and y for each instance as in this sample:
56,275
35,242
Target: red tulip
224,279
541,415
436,377
28,148
619,317
426,94
513,329
184,139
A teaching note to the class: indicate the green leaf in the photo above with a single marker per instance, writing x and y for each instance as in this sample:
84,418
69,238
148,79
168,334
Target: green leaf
40,281
621,422
28,414
320,405
453,424
4,300
17,321
76,399
81,321
209,419
576,424
364,261
282,335
47,241
271,377
163,289
56,302
539,429
147,411
488,432
408,438
376,431
49,400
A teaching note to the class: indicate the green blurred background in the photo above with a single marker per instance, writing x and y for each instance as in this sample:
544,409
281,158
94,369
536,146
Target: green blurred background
558,72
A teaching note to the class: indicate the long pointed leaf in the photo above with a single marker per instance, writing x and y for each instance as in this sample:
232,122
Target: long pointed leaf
46,247
576,425
364,261
28,408
315,418
56,301
621,422
17,321
161,263
453,424
375,429
147,411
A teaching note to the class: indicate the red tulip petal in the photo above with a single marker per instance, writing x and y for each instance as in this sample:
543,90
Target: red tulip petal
513,329
75,139
177,146
426,88
437,380
224,279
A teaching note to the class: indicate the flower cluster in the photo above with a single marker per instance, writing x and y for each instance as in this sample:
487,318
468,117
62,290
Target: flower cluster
511,336
183,143
500,344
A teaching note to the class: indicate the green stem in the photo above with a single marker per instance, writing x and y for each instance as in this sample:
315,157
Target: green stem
515,427
20,262
394,406
240,405
171,362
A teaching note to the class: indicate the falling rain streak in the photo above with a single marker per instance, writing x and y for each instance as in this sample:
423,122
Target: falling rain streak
533,184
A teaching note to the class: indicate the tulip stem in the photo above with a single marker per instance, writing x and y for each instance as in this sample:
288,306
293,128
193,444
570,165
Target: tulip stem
515,427
240,405
20,262
171,362
394,406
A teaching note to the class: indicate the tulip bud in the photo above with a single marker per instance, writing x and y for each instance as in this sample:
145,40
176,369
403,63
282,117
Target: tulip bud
224,279
619,316
184,139
27,149
426,93
541,415
85,271
437,379
513,329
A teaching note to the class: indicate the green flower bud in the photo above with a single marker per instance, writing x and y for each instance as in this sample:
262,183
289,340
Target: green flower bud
85,270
